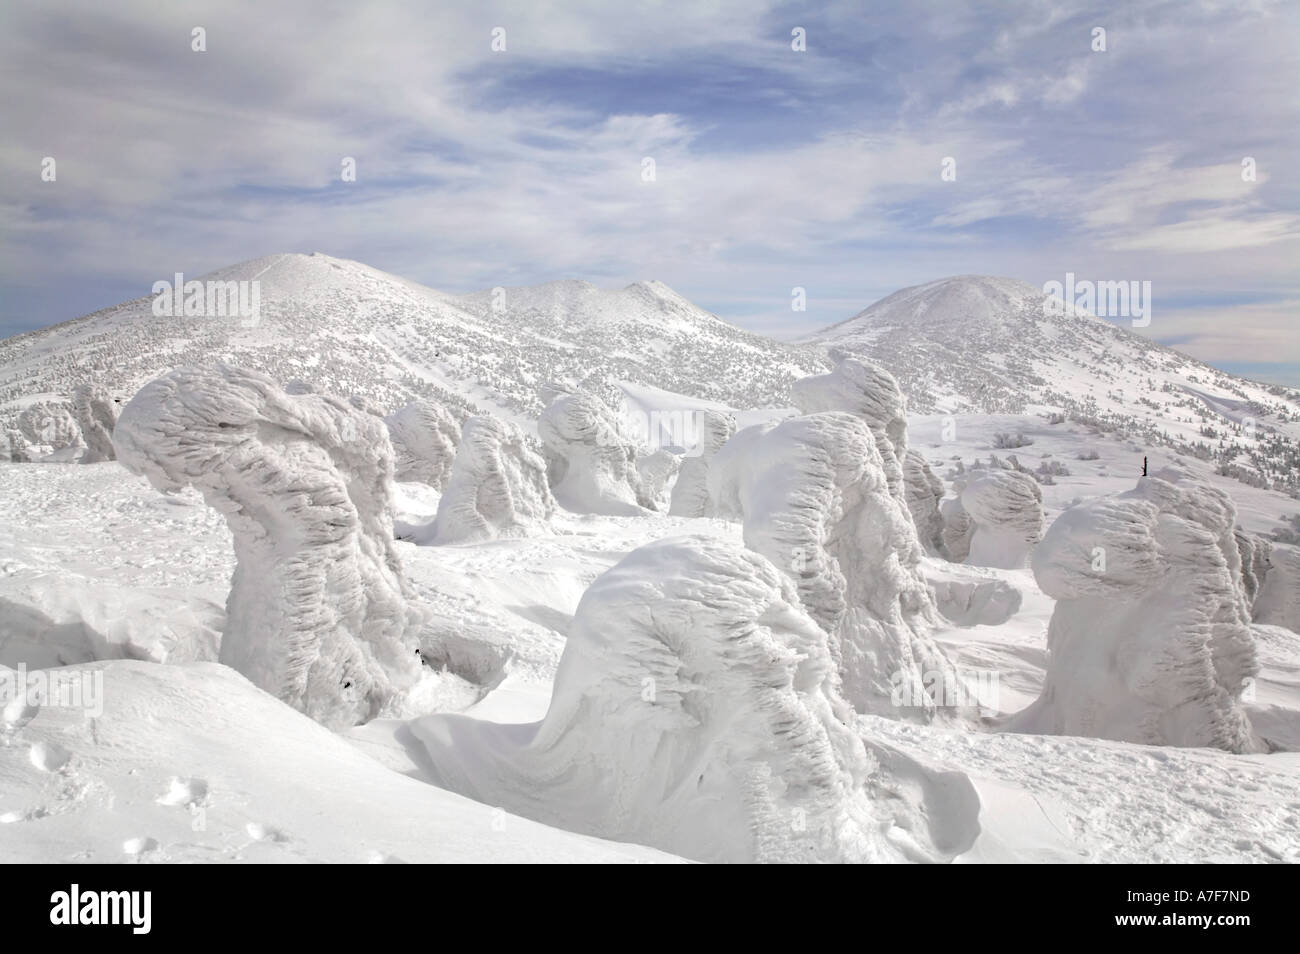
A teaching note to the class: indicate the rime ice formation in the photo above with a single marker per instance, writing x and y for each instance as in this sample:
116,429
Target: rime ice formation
923,492
497,487
814,499
50,425
13,447
695,710
317,613
957,526
1150,640
590,462
1271,578
1005,509
424,436
656,470
690,496
96,413
867,392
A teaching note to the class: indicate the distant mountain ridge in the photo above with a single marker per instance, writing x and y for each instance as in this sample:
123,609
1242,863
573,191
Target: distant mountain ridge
343,327
981,344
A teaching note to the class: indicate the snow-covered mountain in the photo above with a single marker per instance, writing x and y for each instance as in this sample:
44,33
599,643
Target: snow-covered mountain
978,344
345,328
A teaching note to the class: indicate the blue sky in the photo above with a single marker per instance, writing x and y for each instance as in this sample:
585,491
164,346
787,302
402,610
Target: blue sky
774,168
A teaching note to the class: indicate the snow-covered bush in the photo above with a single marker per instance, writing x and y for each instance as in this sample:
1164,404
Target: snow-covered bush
424,436
1004,440
814,499
497,487
590,461
696,710
690,496
96,414
318,612
1005,508
1150,640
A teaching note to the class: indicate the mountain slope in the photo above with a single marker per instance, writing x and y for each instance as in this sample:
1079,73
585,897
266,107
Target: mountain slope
349,329
977,344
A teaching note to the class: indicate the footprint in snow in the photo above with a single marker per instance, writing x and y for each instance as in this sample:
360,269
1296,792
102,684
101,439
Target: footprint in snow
49,756
185,792
259,832
379,858
139,846
16,714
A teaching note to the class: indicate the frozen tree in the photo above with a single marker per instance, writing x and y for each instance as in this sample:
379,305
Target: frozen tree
591,461
13,447
656,471
1150,640
424,436
318,612
814,498
49,424
1005,508
497,487
923,492
96,413
870,393
1270,576
957,527
695,710
690,496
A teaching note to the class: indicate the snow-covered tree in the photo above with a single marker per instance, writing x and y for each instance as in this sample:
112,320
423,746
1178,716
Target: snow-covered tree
49,424
814,498
870,393
690,496
1150,640
695,710
96,414
424,436
497,487
591,461
319,612
1005,510
923,491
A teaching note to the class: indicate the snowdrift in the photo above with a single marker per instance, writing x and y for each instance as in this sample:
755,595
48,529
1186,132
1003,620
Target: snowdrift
695,710
1150,640
318,612
814,498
